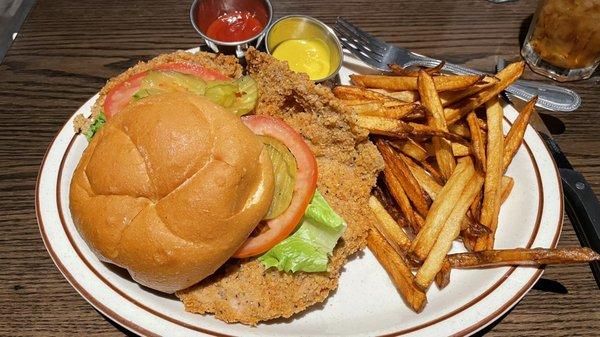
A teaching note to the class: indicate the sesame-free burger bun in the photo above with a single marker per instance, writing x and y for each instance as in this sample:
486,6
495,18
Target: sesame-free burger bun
170,188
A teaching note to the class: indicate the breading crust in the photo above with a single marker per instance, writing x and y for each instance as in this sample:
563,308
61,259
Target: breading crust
348,165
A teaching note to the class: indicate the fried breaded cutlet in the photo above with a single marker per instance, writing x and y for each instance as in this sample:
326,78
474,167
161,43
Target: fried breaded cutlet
348,164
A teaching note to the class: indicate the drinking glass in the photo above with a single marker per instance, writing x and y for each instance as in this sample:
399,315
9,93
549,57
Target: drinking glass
563,41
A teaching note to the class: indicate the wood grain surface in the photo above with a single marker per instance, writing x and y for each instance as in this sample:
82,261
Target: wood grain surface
66,51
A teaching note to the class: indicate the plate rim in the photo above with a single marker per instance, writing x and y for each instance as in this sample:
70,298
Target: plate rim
481,323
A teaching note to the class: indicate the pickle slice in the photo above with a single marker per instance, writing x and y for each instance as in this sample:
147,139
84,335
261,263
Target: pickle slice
247,96
222,93
284,170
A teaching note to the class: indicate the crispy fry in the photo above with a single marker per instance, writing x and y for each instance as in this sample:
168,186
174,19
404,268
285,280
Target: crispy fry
442,278
424,131
353,92
409,184
433,171
442,83
401,71
441,208
382,126
514,138
507,186
491,192
460,150
472,226
383,195
408,96
410,148
449,97
430,100
523,257
399,195
449,231
460,129
506,76
398,270
477,145
427,183
381,110
389,228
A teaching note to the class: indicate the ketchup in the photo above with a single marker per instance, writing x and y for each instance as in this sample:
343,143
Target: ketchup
234,26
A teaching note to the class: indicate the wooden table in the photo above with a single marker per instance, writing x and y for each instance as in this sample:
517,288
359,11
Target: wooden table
67,49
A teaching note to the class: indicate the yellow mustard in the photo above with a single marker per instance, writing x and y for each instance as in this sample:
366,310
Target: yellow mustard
310,56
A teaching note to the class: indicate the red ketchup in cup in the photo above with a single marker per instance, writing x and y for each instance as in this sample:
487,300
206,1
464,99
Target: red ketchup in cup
235,26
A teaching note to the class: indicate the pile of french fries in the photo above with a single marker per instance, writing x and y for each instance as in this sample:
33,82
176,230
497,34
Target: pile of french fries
446,155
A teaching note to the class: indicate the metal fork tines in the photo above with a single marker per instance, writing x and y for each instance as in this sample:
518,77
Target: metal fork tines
378,54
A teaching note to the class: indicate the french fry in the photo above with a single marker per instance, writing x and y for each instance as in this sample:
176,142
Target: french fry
398,168
507,186
348,92
382,126
514,138
492,187
382,194
408,96
522,257
381,110
441,208
395,83
449,97
460,129
389,228
427,183
430,100
506,76
398,270
399,195
433,171
449,231
401,71
424,131
442,278
460,150
477,145
473,227
411,148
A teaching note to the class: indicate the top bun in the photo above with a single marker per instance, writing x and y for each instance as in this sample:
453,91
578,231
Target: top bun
170,188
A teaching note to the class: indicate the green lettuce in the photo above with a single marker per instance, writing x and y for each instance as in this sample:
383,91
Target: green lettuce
96,126
309,247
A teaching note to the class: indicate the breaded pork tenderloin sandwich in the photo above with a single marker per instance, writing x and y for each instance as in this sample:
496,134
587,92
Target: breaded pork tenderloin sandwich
243,195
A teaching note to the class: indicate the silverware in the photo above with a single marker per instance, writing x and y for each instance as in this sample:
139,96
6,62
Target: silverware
379,54
581,203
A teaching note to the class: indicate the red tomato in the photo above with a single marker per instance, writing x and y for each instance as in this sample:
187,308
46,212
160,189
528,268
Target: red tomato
121,94
304,186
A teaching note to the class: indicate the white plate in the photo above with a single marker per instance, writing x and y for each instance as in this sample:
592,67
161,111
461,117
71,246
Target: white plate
365,303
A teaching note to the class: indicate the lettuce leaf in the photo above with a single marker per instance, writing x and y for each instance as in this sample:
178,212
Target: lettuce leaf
309,247
96,126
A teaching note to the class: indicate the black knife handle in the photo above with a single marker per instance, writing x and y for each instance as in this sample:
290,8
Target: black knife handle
584,211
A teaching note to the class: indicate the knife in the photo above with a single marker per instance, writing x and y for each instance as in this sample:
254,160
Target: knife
582,206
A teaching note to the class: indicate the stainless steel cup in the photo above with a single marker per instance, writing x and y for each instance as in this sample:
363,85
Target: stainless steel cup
306,27
204,12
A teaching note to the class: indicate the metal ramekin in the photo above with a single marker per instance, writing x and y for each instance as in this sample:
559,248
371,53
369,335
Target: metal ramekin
303,27
212,9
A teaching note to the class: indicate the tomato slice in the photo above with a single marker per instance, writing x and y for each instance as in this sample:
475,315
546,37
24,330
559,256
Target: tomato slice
120,95
304,187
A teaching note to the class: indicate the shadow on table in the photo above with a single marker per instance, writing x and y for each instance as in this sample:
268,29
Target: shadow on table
118,327
542,284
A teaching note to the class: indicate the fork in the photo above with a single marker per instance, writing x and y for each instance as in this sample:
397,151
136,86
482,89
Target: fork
378,54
